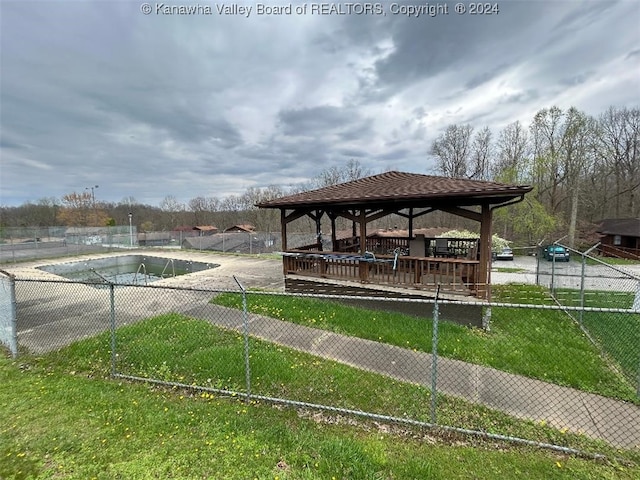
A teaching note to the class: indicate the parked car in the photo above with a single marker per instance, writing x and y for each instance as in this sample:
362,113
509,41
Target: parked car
504,254
557,252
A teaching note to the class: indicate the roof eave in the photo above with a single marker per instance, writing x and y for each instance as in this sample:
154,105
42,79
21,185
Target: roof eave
462,198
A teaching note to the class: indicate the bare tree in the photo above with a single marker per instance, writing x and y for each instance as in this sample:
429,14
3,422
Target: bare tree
619,157
452,151
352,170
199,207
547,131
481,152
512,160
129,201
172,207
577,153
77,210
563,152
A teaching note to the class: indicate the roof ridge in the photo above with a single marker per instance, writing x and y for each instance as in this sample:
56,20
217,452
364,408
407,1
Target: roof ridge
397,186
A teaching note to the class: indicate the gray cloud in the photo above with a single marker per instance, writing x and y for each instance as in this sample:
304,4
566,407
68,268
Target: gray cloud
146,106
314,121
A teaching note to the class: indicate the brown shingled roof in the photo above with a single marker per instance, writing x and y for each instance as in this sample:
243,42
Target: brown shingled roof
629,227
394,187
205,228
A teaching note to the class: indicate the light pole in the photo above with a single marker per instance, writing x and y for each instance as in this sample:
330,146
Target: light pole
93,194
130,229
93,201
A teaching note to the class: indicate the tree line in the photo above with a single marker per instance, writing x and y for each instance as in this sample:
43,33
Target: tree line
582,168
82,209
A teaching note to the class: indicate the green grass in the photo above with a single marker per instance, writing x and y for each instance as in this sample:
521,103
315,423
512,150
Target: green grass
542,344
612,261
595,298
509,270
617,333
174,348
63,418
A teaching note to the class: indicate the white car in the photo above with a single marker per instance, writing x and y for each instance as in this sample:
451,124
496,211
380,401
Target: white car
505,254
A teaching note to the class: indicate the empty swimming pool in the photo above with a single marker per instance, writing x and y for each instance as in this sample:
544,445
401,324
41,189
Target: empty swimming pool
126,269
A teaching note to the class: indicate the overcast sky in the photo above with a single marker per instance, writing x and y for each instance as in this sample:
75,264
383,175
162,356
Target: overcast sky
98,93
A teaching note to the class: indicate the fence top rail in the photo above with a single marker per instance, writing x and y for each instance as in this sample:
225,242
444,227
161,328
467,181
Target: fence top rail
597,260
103,283
441,301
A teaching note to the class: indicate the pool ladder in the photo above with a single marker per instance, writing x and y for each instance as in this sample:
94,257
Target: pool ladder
144,270
173,268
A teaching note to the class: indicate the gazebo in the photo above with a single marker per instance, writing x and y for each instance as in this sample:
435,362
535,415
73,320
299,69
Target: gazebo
414,262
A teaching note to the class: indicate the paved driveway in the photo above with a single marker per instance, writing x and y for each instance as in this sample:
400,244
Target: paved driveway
624,278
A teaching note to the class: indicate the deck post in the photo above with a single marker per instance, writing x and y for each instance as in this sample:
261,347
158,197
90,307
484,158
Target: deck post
484,269
364,266
334,238
283,229
318,219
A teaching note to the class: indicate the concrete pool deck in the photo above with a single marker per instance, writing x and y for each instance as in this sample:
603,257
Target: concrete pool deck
251,271
50,318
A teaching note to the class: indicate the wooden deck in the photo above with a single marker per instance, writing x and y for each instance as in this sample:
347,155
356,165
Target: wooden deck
453,275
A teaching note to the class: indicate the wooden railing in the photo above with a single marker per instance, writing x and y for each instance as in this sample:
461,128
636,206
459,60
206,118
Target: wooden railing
620,252
456,247
382,245
453,275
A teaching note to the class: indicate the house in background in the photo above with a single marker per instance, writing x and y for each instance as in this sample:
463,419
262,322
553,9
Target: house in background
205,230
182,231
620,237
246,228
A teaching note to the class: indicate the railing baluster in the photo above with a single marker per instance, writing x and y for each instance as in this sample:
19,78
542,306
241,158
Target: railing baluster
415,272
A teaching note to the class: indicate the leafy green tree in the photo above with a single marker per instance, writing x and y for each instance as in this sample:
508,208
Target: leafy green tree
528,220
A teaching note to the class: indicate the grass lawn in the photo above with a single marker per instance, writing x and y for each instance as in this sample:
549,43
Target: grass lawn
175,348
613,261
617,333
62,417
542,344
509,269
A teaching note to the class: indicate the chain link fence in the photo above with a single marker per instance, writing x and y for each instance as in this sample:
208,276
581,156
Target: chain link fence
584,281
8,324
31,243
532,377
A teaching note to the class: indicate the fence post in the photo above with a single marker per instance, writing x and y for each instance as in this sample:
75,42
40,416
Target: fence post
538,253
638,380
582,273
584,255
434,357
636,308
8,320
636,299
245,324
112,303
553,274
